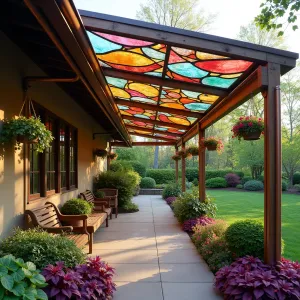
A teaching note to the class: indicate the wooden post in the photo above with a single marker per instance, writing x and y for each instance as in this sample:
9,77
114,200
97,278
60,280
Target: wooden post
272,168
201,134
183,169
176,166
108,160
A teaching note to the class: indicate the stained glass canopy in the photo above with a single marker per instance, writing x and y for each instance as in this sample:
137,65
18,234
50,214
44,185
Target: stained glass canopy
160,89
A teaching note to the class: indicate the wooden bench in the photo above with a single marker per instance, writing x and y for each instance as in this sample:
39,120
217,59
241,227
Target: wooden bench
49,218
99,204
112,196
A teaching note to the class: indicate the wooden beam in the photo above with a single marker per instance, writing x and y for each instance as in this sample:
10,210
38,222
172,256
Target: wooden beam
152,130
176,166
187,39
201,162
122,144
155,122
152,137
272,167
183,164
141,78
247,89
159,108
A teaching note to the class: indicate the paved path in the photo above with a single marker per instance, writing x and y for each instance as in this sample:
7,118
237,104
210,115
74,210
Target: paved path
153,257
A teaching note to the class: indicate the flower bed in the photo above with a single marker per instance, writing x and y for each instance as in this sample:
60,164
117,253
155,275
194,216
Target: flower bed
188,225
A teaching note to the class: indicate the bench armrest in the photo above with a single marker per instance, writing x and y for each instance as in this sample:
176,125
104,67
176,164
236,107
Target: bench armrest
60,229
99,201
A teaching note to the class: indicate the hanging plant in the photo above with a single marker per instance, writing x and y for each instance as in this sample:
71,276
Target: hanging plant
100,153
112,155
192,151
176,157
212,144
182,153
26,130
250,128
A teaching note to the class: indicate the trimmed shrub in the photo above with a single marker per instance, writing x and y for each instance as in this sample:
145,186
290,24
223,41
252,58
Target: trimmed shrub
246,238
246,179
161,175
249,278
126,184
42,248
296,178
195,182
297,187
160,186
138,167
240,186
188,206
218,182
232,179
284,185
192,174
221,173
254,185
120,165
171,190
77,207
147,183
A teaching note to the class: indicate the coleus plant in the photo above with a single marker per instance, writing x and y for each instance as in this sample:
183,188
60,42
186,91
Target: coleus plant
170,200
188,225
213,141
249,278
246,125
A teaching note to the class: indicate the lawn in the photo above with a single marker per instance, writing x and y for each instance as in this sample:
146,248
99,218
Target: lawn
233,206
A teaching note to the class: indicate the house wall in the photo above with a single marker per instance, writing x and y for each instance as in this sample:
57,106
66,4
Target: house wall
15,65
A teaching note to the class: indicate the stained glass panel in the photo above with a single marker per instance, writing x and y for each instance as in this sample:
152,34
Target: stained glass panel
133,91
128,54
137,112
139,124
176,119
140,132
171,137
169,129
209,69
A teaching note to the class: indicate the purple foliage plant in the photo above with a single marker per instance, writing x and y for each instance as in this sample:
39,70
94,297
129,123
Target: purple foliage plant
232,179
188,225
170,200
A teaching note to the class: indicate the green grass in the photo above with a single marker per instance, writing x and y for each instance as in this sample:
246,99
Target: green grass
233,206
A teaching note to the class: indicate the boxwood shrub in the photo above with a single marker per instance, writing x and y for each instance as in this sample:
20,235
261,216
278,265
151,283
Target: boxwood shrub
296,178
245,179
147,183
42,248
161,175
137,167
77,207
254,185
171,190
218,182
240,186
284,185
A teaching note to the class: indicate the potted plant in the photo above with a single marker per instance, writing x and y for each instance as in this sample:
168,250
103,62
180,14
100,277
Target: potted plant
192,151
77,207
212,144
99,194
176,157
26,130
182,153
100,153
250,128
112,155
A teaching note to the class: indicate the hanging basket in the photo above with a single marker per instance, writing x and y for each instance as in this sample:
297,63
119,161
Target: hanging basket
100,153
176,157
252,136
182,153
192,151
211,147
25,140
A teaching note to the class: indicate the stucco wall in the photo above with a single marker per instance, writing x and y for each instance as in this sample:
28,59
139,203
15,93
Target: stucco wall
14,66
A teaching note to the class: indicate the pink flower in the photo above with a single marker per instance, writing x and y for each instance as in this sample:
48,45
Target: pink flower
250,124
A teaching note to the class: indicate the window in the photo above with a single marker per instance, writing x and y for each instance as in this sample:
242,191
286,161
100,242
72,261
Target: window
55,170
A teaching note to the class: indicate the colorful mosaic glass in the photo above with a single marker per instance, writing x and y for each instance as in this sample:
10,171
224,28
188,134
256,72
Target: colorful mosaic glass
169,129
139,131
133,91
128,54
186,100
208,69
137,112
171,137
141,123
175,119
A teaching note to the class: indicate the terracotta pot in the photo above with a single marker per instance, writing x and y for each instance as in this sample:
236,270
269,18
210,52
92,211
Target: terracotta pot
211,147
252,136
23,139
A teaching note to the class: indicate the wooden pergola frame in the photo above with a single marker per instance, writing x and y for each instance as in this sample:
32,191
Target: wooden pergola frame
62,23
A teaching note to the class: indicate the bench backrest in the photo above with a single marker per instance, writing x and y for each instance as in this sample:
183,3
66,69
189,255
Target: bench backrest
44,216
88,196
109,192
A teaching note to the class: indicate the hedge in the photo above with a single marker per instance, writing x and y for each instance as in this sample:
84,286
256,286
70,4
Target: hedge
166,175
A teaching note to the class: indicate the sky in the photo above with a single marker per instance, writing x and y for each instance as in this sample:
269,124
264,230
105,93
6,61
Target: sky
231,14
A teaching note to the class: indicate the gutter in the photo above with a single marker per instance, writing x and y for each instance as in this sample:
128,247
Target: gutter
52,20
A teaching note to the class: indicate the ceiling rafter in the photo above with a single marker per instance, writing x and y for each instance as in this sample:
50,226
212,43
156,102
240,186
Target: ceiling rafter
152,130
152,137
122,144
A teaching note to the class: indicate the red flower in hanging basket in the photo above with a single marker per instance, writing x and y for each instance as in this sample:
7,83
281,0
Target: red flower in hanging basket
248,127
212,144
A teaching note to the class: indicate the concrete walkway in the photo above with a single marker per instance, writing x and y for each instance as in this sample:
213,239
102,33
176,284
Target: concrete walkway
153,257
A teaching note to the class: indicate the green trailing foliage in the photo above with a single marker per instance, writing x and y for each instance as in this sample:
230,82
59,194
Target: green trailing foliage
147,183
42,248
254,185
20,280
188,206
125,182
171,190
31,128
246,238
218,182
77,207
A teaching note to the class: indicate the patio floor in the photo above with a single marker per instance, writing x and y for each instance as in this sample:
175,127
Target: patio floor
153,257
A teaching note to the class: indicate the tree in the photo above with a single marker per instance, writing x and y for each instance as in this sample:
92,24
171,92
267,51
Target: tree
274,10
183,14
